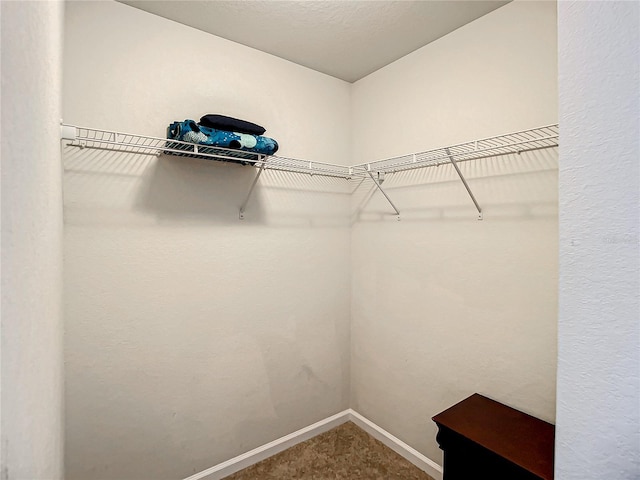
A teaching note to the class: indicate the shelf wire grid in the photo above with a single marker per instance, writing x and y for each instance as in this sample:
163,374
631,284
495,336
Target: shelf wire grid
511,143
84,137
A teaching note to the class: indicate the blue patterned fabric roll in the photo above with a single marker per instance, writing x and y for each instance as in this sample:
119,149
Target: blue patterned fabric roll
190,131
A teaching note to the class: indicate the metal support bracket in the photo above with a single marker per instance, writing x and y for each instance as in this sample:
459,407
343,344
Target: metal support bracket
382,191
464,182
253,186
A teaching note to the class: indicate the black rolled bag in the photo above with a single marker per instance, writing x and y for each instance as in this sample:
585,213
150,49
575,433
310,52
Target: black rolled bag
230,124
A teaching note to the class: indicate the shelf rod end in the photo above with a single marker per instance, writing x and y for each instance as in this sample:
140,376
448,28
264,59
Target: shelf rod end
68,132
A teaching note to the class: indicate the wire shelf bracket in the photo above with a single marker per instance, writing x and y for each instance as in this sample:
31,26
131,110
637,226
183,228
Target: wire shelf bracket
464,182
243,207
377,184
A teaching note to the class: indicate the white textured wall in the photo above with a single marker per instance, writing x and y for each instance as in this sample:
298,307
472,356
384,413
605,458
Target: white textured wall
444,305
494,75
598,421
192,337
32,438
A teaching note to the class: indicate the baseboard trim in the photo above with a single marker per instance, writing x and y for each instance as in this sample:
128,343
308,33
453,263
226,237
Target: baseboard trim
394,443
256,455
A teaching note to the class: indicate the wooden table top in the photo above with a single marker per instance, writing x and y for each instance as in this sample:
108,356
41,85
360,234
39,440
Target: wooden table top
520,438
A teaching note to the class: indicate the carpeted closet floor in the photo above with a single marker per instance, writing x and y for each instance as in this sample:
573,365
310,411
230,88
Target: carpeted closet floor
346,452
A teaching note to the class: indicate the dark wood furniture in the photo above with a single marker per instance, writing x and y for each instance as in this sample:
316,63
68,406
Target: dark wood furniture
482,438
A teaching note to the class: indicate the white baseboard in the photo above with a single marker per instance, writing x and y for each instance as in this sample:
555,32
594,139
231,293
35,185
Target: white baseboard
419,460
256,455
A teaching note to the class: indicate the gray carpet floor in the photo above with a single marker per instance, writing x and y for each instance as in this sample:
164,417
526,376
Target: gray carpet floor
346,452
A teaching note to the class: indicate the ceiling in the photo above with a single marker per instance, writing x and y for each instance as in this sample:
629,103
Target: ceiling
347,39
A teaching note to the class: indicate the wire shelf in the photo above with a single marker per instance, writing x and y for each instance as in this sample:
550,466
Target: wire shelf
510,143
84,137
517,142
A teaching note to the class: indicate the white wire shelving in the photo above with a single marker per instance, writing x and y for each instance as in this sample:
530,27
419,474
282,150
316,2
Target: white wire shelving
510,143
84,137
506,144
